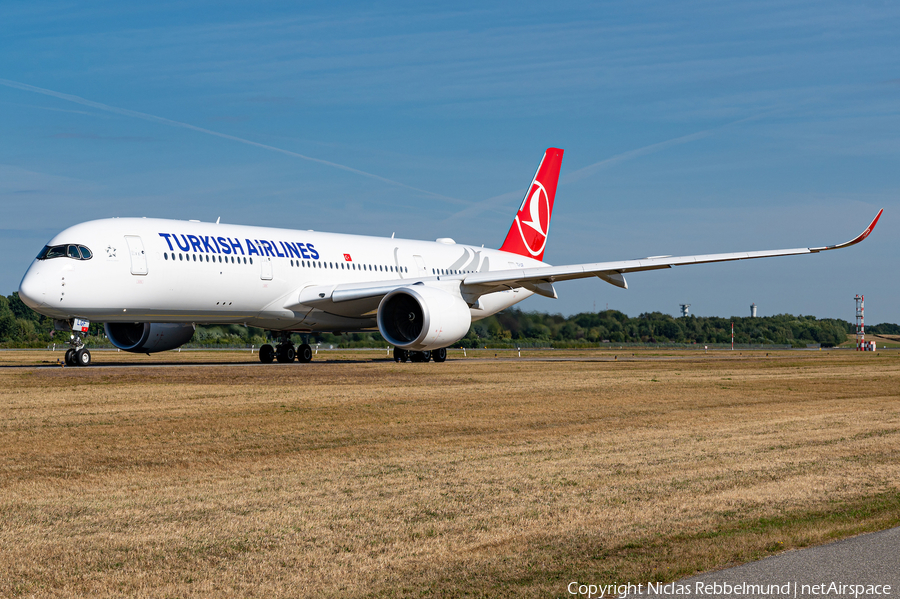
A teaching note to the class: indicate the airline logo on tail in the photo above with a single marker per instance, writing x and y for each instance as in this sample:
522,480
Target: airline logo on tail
528,234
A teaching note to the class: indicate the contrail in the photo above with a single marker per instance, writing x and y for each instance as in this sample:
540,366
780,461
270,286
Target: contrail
164,121
490,204
589,170
651,149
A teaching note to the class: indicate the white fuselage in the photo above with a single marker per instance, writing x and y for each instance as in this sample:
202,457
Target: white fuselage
155,270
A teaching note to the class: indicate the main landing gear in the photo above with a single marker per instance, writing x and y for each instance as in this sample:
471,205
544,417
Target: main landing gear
77,354
402,355
285,352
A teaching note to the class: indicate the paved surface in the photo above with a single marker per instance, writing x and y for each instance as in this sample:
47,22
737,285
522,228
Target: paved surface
862,566
324,357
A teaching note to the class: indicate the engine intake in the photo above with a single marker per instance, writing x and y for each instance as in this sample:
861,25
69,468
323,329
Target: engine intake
148,337
423,318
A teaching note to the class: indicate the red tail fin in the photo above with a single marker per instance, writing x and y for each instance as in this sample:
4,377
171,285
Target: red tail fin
528,234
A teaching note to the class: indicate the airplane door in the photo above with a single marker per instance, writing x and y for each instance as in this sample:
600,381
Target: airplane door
420,264
266,272
138,257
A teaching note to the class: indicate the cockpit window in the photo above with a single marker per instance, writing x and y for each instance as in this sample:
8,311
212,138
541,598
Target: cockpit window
76,252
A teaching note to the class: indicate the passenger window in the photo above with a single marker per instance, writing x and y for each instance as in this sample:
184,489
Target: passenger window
165,255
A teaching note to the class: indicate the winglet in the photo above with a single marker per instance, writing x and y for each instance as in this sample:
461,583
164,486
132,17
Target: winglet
853,241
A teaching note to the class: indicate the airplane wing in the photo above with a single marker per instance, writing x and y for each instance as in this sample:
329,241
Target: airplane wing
540,279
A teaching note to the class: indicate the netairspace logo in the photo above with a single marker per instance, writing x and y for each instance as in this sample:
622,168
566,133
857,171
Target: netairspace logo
727,589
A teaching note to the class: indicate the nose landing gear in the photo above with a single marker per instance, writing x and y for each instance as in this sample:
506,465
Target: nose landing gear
77,354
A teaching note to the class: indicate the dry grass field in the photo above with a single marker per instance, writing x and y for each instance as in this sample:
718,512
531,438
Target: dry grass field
357,477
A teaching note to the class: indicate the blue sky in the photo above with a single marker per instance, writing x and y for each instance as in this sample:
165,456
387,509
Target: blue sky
689,127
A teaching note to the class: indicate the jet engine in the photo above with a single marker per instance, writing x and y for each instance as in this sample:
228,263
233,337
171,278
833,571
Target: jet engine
148,337
422,318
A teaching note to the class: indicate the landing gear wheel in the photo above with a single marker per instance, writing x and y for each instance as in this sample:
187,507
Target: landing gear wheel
419,356
400,355
266,354
70,357
285,353
304,353
439,355
82,357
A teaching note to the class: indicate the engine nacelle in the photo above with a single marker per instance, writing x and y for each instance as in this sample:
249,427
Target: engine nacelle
148,337
423,318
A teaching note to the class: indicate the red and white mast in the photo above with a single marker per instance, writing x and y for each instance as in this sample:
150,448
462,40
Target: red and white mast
860,322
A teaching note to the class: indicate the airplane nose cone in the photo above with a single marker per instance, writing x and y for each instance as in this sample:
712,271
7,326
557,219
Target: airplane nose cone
30,290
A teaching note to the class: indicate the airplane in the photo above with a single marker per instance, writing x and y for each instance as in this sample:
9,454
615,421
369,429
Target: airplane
151,281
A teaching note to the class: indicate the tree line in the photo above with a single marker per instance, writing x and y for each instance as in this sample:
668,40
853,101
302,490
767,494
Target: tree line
20,326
